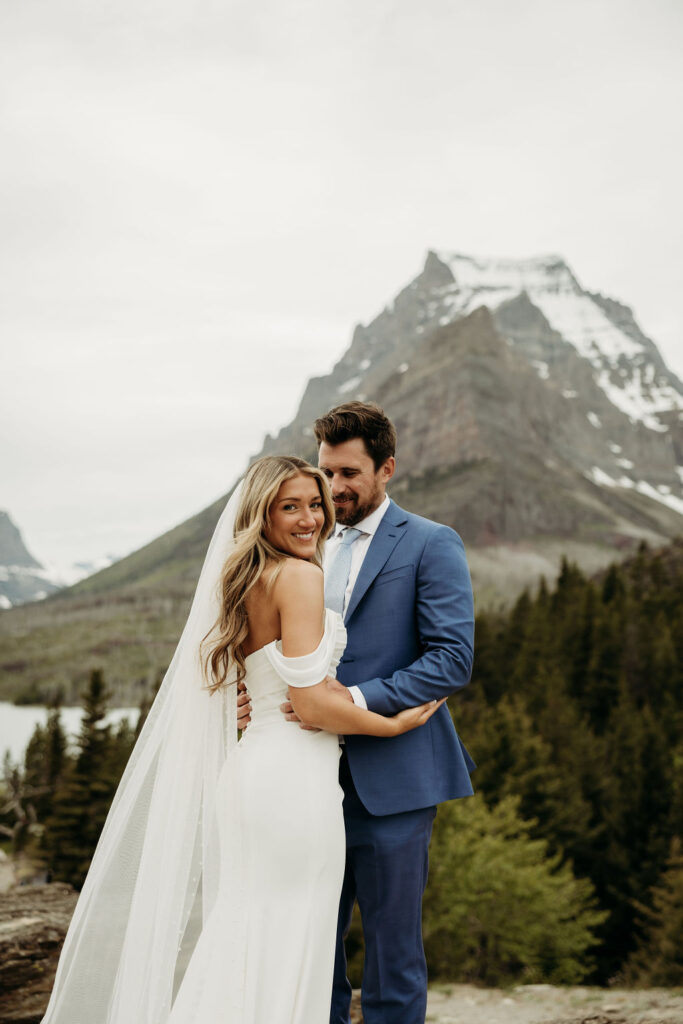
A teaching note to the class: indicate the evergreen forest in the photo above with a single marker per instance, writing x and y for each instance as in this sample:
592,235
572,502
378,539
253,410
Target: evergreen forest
566,866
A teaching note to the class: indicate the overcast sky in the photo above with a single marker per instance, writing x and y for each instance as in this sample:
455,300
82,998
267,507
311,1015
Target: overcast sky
199,198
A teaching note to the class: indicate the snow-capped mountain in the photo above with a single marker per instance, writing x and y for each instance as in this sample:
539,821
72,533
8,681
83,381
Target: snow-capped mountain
534,417
546,414
23,578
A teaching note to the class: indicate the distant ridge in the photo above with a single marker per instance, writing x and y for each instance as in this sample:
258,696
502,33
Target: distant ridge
22,577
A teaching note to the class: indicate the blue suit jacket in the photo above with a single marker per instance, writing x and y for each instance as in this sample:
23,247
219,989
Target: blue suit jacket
410,625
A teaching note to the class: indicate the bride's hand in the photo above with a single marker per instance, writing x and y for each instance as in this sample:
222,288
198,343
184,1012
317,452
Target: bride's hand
291,716
411,718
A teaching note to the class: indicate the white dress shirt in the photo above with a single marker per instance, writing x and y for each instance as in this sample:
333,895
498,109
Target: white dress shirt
359,550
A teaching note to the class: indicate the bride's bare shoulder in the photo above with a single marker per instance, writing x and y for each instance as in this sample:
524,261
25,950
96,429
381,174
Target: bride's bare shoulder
299,598
297,571
298,579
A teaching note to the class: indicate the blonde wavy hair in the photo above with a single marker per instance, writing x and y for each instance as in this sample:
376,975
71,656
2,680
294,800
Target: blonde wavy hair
250,556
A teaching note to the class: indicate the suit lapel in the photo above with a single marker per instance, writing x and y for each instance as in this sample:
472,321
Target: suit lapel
389,532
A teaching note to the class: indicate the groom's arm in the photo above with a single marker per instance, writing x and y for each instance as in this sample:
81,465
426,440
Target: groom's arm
445,619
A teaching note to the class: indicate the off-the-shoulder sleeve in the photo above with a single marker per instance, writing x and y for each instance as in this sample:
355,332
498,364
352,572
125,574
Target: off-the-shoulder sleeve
310,669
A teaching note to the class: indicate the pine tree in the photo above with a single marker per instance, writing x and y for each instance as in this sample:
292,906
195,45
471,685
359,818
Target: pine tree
658,959
604,673
580,644
613,585
45,760
498,908
540,759
84,793
146,703
637,799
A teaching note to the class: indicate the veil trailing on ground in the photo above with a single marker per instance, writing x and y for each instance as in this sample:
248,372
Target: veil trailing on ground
153,879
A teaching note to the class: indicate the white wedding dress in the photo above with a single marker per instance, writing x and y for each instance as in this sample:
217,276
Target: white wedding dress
266,952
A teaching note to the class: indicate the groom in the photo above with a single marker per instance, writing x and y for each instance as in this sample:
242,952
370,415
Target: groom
403,586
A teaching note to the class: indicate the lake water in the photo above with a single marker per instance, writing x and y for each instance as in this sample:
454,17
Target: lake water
17,724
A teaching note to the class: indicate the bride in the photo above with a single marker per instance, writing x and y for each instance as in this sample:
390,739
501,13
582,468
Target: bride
213,892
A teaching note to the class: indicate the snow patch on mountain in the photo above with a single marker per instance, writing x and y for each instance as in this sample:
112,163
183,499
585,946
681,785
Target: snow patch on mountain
598,476
666,499
580,321
622,365
638,404
349,385
544,273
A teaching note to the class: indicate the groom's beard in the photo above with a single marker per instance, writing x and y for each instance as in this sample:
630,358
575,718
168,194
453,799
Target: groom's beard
352,512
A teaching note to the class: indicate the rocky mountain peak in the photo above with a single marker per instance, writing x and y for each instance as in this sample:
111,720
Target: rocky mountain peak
22,577
625,364
13,551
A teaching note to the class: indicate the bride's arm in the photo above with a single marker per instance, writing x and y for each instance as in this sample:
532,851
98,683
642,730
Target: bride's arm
299,596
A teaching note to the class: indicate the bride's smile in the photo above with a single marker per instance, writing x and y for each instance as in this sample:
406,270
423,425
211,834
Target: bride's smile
296,517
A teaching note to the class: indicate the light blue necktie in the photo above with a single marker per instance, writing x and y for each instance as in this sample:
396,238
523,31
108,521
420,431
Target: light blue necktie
337,578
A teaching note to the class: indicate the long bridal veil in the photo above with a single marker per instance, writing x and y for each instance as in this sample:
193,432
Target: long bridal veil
153,879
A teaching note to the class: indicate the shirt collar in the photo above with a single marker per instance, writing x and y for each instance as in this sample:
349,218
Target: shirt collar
370,524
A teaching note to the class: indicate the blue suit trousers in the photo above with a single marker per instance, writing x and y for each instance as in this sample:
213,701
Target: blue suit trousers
386,871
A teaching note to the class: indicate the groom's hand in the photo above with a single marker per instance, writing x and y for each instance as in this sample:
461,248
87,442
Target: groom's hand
243,707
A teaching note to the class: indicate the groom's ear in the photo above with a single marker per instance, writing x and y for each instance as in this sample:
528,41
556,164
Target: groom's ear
387,469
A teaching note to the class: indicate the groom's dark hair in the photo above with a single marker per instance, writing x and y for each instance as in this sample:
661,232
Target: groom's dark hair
359,419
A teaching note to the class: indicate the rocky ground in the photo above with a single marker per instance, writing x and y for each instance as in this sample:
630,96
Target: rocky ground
549,1004
34,919
33,923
